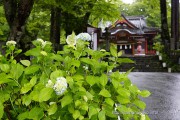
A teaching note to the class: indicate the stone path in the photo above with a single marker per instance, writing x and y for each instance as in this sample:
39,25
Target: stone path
164,102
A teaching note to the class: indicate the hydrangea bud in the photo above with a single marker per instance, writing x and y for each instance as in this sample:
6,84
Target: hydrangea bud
11,42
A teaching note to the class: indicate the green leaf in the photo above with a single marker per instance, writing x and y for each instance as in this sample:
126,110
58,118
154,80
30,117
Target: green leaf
66,100
91,80
124,60
113,50
76,114
109,101
140,104
26,100
4,78
33,80
25,62
32,69
89,95
1,109
5,67
119,53
102,115
75,63
17,70
33,52
145,93
103,80
36,113
23,116
26,88
124,92
52,109
124,110
56,74
92,111
123,100
45,94
105,93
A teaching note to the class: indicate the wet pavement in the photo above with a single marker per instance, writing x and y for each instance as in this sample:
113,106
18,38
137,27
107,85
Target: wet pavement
164,102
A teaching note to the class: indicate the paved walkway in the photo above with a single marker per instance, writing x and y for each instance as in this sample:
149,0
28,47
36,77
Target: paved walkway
164,102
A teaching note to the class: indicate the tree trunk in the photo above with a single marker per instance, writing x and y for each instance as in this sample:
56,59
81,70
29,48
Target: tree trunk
164,24
17,12
55,27
175,22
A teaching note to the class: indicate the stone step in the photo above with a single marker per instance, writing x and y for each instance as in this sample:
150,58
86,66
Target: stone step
143,64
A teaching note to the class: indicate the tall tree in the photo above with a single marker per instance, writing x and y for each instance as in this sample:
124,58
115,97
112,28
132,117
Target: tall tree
164,23
17,13
175,22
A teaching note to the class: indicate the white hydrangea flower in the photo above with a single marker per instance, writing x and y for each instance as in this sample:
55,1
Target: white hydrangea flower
60,85
43,53
43,43
83,36
50,84
11,42
71,39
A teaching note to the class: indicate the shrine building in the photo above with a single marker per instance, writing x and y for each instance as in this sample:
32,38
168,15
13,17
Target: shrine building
131,34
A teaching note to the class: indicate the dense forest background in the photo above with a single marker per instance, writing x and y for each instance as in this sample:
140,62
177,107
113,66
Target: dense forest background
27,20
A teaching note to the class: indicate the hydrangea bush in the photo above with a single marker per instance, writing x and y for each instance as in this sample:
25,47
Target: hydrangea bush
71,84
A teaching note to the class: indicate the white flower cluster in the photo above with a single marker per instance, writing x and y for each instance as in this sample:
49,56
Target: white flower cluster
11,42
70,40
43,43
83,36
59,87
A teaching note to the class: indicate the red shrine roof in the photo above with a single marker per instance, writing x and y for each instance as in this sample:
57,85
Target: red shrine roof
134,25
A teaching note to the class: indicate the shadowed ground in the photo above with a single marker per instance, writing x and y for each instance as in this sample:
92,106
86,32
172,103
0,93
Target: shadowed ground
164,102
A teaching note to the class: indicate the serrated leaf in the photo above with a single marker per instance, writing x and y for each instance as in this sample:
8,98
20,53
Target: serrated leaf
45,94
26,88
140,104
102,115
75,63
113,50
33,80
92,111
76,114
5,67
105,93
123,100
145,93
25,62
123,92
32,69
23,116
66,100
91,80
36,113
4,78
52,109
33,52
17,70
103,80
26,100
109,101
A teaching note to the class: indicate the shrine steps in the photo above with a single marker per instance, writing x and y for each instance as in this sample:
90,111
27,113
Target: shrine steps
143,64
